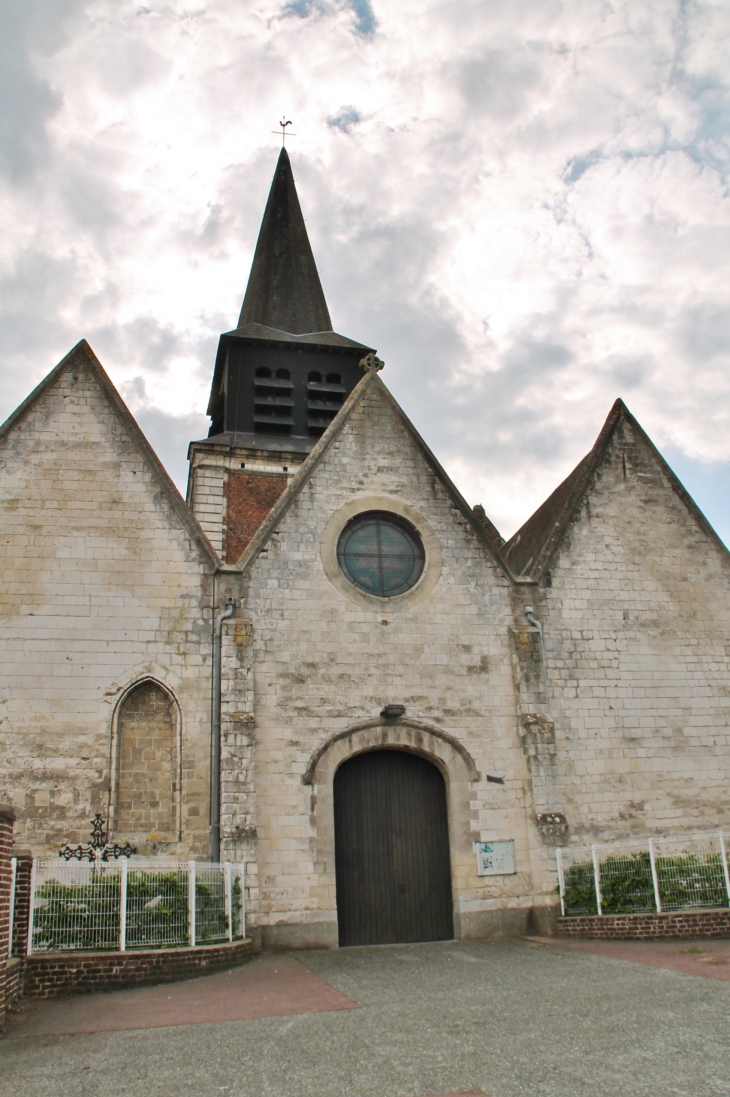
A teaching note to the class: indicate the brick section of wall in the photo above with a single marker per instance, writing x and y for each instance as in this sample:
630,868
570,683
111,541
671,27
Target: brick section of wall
249,496
146,763
12,983
53,974
7,822
644,927
21,911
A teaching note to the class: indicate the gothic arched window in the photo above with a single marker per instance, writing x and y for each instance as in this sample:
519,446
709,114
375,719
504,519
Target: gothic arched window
146,762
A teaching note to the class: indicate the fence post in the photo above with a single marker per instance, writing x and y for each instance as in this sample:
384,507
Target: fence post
655,878
123,906
191,902
597,879
561,879
229,898
31,908
723,851
11,921
243,898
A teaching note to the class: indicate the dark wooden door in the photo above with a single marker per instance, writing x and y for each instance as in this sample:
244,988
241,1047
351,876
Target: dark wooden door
391,850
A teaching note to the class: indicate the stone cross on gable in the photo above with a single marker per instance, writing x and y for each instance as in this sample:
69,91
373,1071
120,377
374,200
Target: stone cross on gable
371,364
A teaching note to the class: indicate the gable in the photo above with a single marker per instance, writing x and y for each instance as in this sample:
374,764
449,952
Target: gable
375,463
530,551
636,517
370,403
72,448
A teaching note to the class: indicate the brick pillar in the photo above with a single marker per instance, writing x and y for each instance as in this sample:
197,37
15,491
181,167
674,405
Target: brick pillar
24,858
7,822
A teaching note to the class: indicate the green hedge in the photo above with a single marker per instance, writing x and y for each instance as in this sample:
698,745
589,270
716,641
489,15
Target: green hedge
627,886
86,916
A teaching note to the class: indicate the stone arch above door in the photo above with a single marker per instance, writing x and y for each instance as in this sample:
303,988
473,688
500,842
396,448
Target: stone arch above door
437,746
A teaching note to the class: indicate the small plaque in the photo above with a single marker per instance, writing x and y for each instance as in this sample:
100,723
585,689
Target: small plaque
495,858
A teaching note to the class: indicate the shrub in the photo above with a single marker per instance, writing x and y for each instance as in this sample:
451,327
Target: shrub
627,886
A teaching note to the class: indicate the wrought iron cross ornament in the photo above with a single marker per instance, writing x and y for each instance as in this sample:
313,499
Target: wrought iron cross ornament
99,848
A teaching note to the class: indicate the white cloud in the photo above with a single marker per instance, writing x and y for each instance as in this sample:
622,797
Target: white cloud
523,205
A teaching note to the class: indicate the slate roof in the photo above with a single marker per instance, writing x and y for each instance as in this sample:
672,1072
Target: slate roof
284,291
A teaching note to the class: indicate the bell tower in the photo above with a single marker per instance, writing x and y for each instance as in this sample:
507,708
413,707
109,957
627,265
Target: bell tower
280,378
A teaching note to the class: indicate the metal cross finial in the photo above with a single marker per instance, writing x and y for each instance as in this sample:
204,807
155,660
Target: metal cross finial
284,123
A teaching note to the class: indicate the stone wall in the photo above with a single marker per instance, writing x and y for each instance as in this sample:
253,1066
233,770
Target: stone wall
327,658
105,583
636,623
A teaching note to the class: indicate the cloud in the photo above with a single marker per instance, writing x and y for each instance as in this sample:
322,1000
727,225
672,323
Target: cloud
497,82
344,119
27,31
529,217
365,22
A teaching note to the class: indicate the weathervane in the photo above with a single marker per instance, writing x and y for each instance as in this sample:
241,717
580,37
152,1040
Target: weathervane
284,123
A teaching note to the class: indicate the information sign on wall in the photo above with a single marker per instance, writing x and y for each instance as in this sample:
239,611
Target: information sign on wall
495,858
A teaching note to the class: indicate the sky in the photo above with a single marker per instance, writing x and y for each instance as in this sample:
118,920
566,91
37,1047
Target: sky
523,204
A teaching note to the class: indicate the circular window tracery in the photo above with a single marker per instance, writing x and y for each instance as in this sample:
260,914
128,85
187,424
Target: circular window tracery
381,553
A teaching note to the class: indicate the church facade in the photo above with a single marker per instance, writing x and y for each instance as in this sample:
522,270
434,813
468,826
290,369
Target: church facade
397,683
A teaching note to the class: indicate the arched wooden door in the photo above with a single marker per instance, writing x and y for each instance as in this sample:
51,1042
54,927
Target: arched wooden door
391,850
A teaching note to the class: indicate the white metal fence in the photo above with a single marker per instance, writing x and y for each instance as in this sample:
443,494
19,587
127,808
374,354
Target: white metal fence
140,903
647,874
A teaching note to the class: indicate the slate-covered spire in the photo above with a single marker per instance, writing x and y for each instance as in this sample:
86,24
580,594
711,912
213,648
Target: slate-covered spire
284,290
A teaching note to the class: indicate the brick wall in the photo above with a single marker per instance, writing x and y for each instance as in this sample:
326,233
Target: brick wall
53,974
7,821
249,498
644,927
24,866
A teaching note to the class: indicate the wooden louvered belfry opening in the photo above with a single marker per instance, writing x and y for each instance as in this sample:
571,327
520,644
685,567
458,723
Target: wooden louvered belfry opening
391,850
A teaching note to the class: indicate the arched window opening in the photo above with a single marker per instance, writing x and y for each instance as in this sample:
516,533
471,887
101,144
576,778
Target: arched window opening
283,374
334,379
263,371
315,377
147,763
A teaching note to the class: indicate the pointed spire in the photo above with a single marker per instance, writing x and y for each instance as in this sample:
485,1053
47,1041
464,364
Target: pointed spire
284,290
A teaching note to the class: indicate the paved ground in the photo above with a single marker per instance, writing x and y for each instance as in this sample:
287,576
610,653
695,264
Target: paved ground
708,958
505,1018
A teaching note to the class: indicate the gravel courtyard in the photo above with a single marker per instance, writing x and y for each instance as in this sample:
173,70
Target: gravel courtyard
508,1018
